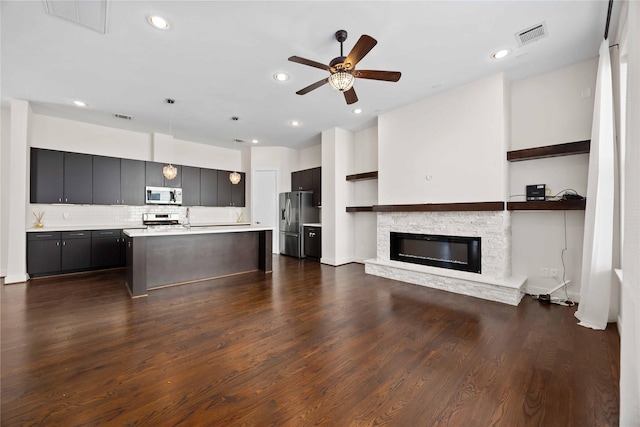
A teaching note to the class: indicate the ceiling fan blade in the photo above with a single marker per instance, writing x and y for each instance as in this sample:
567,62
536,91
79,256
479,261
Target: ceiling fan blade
389,76
364,44
310,63
316,85
350,96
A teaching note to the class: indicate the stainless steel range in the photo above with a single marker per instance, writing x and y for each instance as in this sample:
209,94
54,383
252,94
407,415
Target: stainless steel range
161,220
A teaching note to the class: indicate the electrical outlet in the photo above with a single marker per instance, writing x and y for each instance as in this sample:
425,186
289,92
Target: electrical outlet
553,272
544,272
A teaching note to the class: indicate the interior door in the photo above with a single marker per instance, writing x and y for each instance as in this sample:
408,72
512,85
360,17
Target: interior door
265,202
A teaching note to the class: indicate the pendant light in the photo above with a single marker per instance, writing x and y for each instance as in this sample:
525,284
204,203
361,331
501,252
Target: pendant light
170,171
234,176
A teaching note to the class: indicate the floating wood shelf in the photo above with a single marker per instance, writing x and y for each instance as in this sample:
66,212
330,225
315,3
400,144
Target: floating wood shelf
559,205
363,176
359,208
579,147
442,207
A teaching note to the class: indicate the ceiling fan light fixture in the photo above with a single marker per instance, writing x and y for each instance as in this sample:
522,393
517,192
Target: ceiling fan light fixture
341,80
79,103
281,77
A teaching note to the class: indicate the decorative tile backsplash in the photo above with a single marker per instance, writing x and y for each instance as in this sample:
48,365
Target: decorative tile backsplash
123,216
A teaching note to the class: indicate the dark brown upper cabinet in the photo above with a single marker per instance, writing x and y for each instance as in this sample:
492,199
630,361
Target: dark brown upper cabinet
47,176
106,180
155,178
308,180
208,187
132,182
190,186
78,178
230,194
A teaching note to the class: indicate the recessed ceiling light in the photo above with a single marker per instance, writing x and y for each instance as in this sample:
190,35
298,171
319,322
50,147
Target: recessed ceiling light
254,141
159,22
79,103
281,77
501,53
357,111
295,123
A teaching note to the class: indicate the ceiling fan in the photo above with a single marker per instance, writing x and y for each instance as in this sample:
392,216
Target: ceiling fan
342,68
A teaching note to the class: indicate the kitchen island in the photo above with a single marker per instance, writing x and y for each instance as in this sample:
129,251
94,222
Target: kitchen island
157,258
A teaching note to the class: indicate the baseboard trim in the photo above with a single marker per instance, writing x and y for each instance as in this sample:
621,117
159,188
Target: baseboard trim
15,278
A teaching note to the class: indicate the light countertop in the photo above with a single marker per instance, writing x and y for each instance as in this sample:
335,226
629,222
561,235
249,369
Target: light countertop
120,226
151,232
312,225
83,227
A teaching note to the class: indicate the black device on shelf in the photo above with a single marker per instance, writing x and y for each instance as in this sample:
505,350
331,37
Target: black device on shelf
536,192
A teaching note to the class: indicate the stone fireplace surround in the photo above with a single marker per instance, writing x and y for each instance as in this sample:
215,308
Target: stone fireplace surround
495,283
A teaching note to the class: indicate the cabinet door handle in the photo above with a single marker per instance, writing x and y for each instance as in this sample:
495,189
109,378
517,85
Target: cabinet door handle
117,240
66,200
64,243
57,243
76,234
39,236
59,199
129,244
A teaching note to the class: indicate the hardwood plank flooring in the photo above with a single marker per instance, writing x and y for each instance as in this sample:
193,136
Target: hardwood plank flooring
307,345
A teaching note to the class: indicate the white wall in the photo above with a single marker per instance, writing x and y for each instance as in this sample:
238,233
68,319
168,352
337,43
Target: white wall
630,291
68,135
551,108
337,224
310,157
5,140
283,160
21,117
364,193
457,138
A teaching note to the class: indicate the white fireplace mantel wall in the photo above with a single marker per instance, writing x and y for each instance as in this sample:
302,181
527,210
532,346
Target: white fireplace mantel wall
494,283
493,228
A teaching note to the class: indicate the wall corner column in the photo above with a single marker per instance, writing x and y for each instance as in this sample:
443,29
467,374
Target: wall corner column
18,188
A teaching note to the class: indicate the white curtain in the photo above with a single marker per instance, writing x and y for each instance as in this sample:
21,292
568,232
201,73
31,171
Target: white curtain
597,252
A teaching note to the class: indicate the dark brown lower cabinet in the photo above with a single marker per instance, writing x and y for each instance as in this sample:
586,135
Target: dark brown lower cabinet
56,252
313,242
43,253
76,250
106,249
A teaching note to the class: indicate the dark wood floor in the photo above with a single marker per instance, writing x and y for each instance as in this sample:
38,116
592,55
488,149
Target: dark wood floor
308,345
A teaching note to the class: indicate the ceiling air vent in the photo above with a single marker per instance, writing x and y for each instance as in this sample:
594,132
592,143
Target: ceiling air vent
531,34
122,116
90,14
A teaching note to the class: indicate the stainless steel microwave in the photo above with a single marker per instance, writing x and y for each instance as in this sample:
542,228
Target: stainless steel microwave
163,196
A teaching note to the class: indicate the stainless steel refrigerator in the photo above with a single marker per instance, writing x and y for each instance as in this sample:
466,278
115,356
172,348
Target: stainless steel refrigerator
295,209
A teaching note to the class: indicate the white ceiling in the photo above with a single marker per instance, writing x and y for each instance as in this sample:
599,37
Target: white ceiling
218,60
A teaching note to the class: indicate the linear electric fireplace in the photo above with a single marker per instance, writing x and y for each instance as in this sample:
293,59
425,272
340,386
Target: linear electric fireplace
453,252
